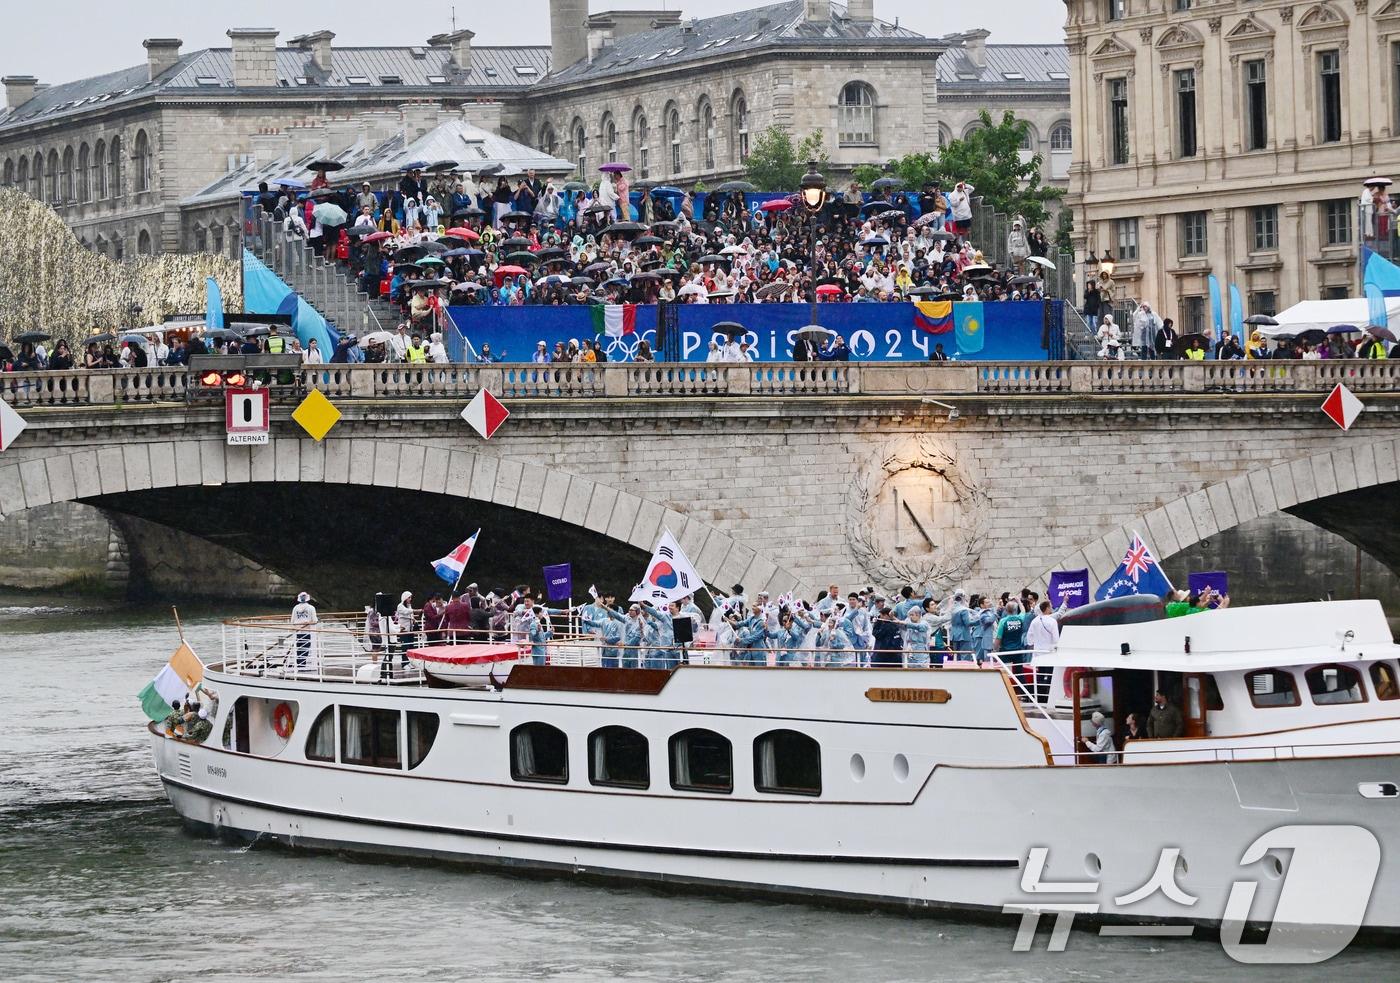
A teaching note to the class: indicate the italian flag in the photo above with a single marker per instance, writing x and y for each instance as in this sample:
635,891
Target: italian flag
181,674
615,320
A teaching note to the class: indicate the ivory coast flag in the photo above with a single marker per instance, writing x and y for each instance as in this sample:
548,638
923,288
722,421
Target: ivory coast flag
181,674
615,320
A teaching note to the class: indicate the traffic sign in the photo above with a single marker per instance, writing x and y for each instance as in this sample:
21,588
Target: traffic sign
246,415
1342,407
11,425
485,413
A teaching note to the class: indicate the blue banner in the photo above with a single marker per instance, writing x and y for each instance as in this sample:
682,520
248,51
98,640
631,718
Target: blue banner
1377,315
213,303
1217,316
1001,331
559,582
264,292
1236,314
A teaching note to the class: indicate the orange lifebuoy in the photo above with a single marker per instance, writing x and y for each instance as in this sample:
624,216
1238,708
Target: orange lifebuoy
282,720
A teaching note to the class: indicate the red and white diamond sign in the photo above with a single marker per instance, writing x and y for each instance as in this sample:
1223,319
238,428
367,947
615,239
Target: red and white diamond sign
1342,407
11,425
485,413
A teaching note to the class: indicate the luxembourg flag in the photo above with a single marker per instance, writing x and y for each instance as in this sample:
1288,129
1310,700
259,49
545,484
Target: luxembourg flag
450,567
615,320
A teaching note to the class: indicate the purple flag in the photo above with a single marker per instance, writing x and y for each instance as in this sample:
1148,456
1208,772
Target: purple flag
1069,588
558,582
1216,580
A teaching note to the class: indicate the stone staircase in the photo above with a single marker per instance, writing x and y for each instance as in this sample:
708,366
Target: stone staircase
328,287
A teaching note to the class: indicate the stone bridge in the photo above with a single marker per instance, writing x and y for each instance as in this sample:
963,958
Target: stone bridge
778,477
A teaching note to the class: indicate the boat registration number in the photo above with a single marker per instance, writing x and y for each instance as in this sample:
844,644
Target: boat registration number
892,694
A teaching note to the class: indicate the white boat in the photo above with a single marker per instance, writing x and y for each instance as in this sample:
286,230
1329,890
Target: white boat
942,789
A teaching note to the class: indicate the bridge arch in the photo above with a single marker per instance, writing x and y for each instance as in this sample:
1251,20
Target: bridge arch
1332,489
123,477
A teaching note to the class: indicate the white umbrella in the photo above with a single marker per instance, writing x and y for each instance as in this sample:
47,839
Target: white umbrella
691,288
731,250
1040,261
328,213
376,338
1383,182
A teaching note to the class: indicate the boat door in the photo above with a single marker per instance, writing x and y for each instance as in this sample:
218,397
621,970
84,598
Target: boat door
1193,710
1093,689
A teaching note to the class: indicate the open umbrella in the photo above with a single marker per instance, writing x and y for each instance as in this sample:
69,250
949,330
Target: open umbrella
925,291
817,331
691,288
471,211
943,236
729,186
892,215
521,256
1377,182
887,182
508,271
1312,336
722,293
1184,342
776,205
874,207
828,290
976,269
426,284
582,281
515,242
712,258
549,252
597,206
1385,334
928,219
433,246
647,240
1261,319
290,182
325,165
376,338
625,229
407,254
732,329
875,241
454,253
553,280
600,267
575,186
665,226
1343,329
666,191
734,250
1021,281
462,232
442,166
431,261
517,217
615,167
1040,261
773,290
414,165
328,213
258,331
100,339
31,337
616,281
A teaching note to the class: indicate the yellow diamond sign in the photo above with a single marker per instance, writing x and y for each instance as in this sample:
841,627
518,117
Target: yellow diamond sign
316,414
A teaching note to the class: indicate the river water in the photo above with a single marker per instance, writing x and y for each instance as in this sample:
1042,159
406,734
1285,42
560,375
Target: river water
98,881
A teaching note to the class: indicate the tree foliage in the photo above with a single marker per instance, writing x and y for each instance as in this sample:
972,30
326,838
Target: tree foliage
989,158
776,164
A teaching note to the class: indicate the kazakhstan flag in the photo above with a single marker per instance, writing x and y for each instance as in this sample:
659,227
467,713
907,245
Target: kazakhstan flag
972,327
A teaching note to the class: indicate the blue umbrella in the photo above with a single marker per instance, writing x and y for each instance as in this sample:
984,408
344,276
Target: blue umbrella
290,182
414,165
1343,329
667,191
453,253
616,281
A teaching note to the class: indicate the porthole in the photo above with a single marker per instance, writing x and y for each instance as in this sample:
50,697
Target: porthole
857,767
901,768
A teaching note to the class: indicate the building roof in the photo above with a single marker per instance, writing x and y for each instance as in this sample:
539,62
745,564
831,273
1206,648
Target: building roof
211,70
1007,64
777,24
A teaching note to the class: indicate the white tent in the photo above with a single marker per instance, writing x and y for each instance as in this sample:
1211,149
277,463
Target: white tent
1324,314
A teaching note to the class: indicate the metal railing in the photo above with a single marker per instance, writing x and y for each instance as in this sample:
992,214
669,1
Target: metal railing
671,379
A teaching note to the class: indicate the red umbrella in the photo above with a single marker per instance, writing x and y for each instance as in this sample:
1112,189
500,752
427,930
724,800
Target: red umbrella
377,237
828,290
776,205
463,233
507,271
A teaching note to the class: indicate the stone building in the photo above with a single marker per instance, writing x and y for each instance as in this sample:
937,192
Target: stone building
1230,137
679,98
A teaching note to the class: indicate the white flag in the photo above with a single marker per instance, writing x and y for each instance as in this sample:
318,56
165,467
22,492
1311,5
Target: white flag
670,575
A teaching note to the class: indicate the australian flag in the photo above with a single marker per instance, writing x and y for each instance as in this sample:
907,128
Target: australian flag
1137,574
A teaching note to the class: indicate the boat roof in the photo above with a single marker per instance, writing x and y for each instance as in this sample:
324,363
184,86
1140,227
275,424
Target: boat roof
1234,639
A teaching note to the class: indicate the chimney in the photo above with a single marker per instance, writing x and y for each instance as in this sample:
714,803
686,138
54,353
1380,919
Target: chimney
817,11
975,47
319,44
419,119
377,126
306,137
254,56
461,44
486,115
599,30
19,89
269,144
860,11
341,135
568,42
161,54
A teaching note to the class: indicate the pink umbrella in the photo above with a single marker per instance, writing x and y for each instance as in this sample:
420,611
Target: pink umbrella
776,205
828,290
614,168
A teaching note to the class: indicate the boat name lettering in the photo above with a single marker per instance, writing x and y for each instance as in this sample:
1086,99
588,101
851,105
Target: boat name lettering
216,771
892,694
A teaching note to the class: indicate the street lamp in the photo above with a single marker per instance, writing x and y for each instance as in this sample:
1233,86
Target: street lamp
1106,265
814,198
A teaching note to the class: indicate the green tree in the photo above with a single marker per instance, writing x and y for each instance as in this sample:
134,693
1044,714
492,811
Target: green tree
775,164
989,158
866,174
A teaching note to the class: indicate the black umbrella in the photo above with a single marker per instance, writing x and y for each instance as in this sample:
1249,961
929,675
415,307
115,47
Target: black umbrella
1385,334
582,281
736,186
1263,319
414,165
522,256
892,215
428,284
1017,281
597,207
359,231
625,228
597,268
731,328
924,291
517,217
887,182
410,253
665,226
647,241
713,258
440,166
550,251
325,165
942,236
30,337
257,332
645,275
433,246
1184,342
471,211
515,242
100,339
1312,336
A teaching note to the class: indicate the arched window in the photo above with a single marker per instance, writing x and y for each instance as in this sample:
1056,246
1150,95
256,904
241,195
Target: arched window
141,158
99,170
787,762
84,178
1061,137
1027,140
610,139
641,142
201,239
702,761
739,138
855,116
1335,684
118,247
114,167
673,130
549,143
320,740
9,172
100,245
68,188
618,756
22,175
971,129
706,116
36,176
143,243
539,753
55,176
218,239
580,147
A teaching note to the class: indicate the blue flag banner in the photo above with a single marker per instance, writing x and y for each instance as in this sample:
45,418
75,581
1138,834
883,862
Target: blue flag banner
559,582
1139,573
1068,588
1236,314
1217,315
1376,313
1378,270
971,327
213,304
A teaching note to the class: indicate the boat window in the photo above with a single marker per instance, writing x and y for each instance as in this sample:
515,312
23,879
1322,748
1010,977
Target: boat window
702,761
320,743
1335,684
258,725
1272,688
422,731
1213,699
1383,678
618,756
787,762
370,737
539,753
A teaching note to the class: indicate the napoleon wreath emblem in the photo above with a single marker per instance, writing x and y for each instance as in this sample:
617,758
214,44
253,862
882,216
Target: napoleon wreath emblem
917,518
